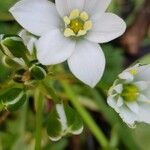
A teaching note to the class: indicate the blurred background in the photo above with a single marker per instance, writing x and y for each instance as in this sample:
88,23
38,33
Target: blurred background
17,130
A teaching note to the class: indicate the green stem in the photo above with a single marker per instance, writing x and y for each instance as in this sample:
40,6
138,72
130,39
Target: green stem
23,117
39,105
99,135
51,92
26,60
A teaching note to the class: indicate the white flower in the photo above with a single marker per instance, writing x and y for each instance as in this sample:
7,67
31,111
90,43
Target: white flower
28,39
130,95
70,31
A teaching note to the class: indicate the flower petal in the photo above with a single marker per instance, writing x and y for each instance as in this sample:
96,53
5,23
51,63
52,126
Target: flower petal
147,92
125,75
143,73
28,39
87,62
120,101
143,98
144,112
133,106
54,48
64,7
142,85
96,7
36,16
113,103
128,116
107,28
118,88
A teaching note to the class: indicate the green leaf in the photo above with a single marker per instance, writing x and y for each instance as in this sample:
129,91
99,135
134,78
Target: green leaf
38,71
63,121
54,126
12,99
4,73
13,46
8,62
73,120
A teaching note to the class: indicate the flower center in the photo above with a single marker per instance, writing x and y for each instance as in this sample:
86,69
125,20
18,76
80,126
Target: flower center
77,24
130,92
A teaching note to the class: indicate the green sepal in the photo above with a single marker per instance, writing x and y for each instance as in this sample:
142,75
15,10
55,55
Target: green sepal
63,120
10,63
38,71
12,99
13,46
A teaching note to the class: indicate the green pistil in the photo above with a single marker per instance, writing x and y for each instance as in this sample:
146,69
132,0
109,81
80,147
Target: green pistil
76,25
130,92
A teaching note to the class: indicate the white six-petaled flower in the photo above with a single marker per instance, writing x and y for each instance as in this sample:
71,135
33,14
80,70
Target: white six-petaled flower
71,31
130,95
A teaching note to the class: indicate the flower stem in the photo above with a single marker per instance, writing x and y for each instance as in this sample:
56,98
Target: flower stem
39,105
23,118
51,92
26,60
99,135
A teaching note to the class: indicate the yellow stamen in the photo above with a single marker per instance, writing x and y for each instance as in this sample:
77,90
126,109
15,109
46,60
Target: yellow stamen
130,92
81,32
66,20
88,25
74,14
84,16
76,25
68,32
133,71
